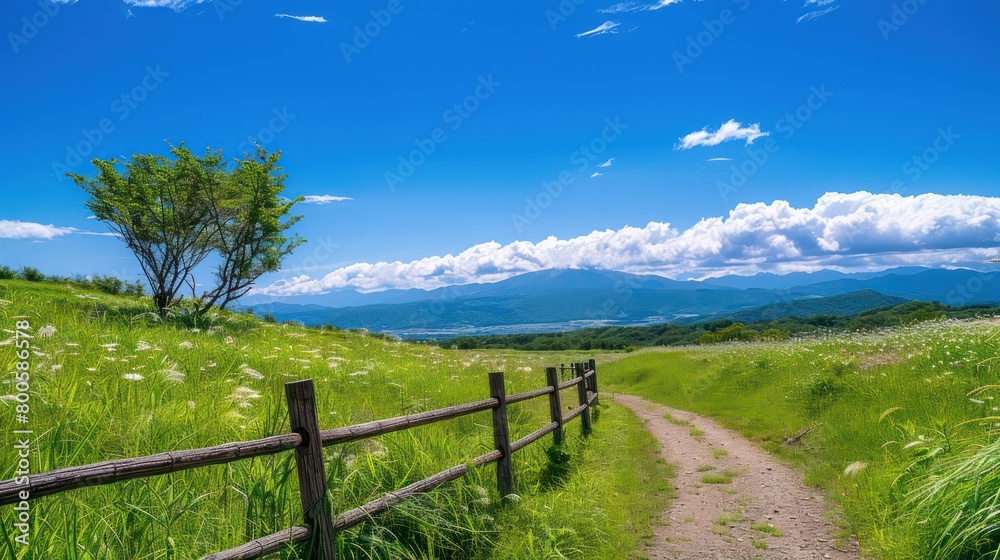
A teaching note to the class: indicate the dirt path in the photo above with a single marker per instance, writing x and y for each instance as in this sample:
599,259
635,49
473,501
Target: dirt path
713,521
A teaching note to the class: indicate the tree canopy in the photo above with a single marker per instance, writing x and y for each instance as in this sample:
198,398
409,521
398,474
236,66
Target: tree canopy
176,212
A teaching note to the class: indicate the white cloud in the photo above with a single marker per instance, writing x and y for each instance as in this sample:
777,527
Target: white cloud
596,174
625,7
730,130
719,159
606,27
622,7
323,199
662,4
816,14
856,231
14,229
172,4
607,163
310,19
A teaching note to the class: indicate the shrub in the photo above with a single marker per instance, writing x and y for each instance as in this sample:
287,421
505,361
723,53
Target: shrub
108,284
7,273
776,334
136,289
31,274
823,392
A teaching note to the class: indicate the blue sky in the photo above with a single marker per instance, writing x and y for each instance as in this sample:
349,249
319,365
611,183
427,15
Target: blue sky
829,96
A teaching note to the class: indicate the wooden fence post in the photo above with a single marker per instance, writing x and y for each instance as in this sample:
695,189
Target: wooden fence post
593,381
555,406
582,389
309,463
501,435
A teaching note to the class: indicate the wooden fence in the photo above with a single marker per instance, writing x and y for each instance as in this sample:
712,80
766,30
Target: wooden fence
319,527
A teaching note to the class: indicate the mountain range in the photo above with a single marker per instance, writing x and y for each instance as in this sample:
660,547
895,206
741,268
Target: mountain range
567,299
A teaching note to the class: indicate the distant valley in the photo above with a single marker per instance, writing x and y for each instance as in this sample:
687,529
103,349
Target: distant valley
562,300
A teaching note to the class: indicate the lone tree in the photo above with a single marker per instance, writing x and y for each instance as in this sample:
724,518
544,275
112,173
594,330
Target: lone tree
174,213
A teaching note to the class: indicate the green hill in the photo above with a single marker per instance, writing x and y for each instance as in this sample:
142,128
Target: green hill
842,305
111,380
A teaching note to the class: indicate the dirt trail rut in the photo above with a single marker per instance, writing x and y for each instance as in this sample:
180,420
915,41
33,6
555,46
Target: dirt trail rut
713,521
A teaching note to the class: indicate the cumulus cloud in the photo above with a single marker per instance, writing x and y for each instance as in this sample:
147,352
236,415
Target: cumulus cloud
323,199
856,231
730,130
310,19
14,229
606,27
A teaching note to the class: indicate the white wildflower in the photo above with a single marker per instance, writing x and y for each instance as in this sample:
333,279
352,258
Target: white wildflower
854,468
243,395
185,345
247,370
375,448
46,331
133,376
173,373
143,346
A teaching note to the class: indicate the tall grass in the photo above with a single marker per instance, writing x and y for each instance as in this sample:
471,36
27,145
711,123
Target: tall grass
907,438
111,379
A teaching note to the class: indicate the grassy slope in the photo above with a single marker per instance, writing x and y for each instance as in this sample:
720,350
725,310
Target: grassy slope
221,380
893,400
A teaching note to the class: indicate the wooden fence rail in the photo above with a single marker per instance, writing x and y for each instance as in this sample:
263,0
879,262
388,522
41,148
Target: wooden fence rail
307,440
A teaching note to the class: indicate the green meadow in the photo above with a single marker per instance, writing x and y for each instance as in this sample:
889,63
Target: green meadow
905,424
110,379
